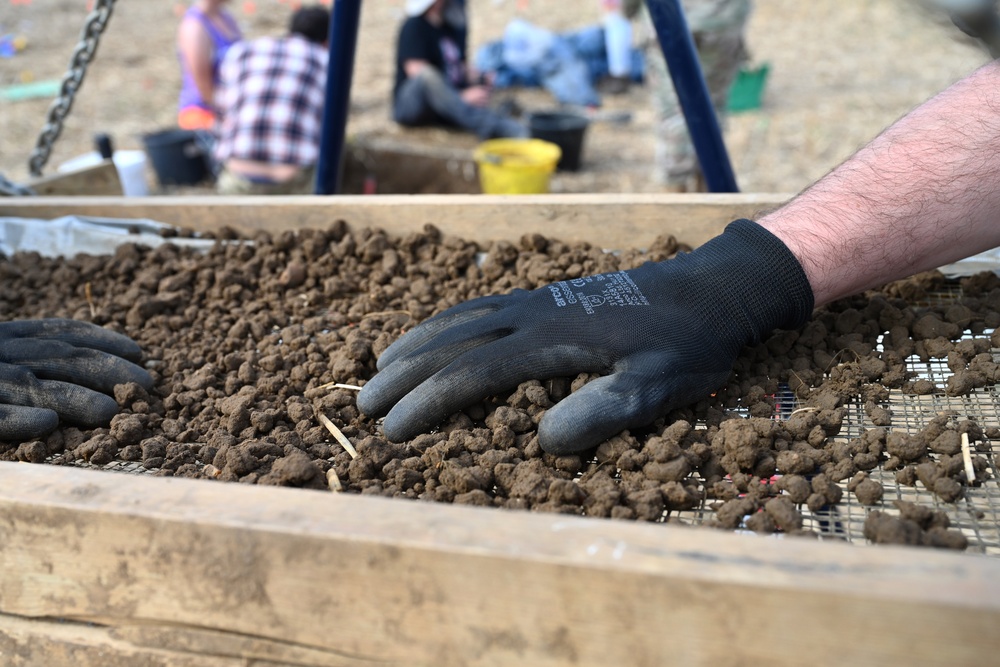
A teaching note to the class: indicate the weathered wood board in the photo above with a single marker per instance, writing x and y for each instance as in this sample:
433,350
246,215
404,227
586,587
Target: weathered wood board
611,221
99,180
195,568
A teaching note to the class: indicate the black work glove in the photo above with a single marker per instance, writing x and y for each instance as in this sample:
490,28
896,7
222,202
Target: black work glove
58,369
664,335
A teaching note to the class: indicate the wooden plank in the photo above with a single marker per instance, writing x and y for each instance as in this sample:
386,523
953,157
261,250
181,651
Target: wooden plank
361,579
53,643
610,221
99,180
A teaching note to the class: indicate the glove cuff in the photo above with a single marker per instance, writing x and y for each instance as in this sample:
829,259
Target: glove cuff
759,285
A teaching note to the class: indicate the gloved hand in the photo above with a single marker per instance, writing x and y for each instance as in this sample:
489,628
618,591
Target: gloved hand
54,369
663,335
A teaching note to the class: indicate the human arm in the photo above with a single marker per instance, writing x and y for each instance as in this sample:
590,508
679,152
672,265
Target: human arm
195,47
923,194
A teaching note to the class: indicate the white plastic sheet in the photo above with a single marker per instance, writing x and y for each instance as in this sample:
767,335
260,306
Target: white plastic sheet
984,261
72,235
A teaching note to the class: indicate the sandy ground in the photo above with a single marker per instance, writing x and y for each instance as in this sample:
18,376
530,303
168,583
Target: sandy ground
839,73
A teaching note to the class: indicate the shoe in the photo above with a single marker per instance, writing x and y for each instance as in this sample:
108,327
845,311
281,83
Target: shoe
598,115
614,85
509,107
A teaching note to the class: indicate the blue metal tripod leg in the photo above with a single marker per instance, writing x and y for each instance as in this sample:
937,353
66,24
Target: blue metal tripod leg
692,93
343,42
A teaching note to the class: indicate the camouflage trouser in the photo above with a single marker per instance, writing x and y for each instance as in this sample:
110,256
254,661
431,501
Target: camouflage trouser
230,183
717,28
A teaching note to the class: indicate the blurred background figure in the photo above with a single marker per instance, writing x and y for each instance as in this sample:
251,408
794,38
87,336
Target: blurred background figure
718,28
618,46
434,84
270,103
205,33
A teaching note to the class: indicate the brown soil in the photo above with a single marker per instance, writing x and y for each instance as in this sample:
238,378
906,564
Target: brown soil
839,73
247,341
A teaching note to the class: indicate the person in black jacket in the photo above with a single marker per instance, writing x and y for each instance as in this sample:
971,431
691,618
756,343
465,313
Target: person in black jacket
433,85
923,194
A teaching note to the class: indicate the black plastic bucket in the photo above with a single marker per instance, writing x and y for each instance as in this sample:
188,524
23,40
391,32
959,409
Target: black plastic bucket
178,157
566,130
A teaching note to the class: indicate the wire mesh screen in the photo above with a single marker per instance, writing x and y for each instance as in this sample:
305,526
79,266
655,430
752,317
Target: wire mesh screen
976,513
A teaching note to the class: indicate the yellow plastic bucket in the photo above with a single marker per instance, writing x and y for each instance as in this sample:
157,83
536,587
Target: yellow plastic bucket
516,166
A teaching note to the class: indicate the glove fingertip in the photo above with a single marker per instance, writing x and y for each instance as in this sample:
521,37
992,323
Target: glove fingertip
143,378
101,412
399,430
369,400
26,423
576,424
557,441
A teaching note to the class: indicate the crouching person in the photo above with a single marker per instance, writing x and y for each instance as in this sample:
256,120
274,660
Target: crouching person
270,104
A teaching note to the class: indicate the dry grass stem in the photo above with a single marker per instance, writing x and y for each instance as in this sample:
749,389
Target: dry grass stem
90,299
339,385
338,434
970,472
333,480
386,312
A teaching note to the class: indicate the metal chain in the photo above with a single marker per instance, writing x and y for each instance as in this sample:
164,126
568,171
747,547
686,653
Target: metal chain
97,21
9,188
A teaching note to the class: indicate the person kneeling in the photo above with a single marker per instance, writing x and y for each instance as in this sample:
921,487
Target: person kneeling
270,101
433,84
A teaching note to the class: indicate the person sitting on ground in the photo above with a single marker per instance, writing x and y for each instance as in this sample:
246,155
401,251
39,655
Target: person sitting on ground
921,195
433,85
271,97
204,35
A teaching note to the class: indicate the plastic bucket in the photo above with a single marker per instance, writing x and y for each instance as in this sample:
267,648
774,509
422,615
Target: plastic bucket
130,165
516,166
565,130
177,156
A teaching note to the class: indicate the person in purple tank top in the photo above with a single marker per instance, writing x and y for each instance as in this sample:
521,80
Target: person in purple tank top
206,32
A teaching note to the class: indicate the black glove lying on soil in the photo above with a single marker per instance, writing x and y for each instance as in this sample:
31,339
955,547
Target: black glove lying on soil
56,369
664,335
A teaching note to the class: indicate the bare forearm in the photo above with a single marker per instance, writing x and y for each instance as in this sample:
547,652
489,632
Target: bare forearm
925,193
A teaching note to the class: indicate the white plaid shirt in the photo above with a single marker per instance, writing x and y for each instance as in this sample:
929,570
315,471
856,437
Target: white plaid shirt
270,101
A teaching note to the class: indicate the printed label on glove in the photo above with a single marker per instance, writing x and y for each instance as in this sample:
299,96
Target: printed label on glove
605,289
